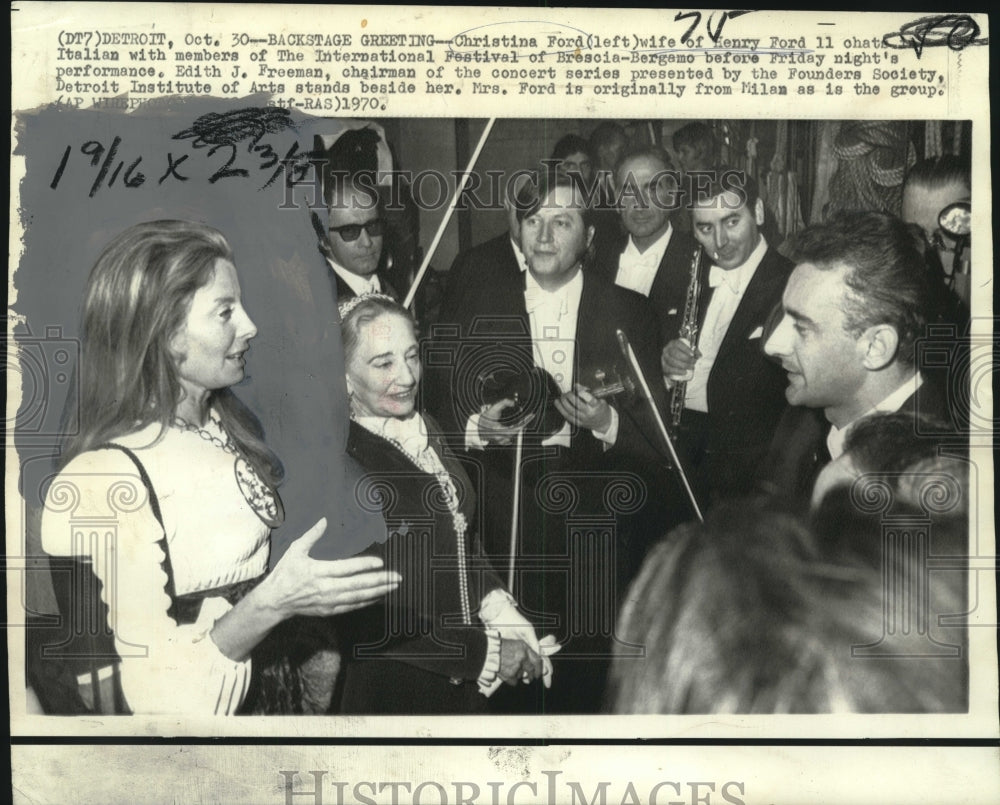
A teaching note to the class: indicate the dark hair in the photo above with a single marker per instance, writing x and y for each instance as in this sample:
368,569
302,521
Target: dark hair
363,310
939,171
695,135
572,144
904,452
886,277
750,613
647,151
605,134
705,186
891,442
532,195
340,187
137,296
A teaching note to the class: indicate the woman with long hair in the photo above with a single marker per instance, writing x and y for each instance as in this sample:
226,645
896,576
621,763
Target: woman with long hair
174,468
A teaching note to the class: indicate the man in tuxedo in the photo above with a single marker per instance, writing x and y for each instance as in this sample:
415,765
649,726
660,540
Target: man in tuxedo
501,254
353,242
651,253
853,310
734,395
587,479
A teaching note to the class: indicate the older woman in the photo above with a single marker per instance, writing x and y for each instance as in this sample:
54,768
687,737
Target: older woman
450,632
175,469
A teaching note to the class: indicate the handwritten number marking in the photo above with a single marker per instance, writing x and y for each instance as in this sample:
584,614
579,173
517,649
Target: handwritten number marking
225,171
61,168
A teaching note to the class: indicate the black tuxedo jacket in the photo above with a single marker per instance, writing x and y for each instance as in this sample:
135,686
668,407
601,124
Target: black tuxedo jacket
746,390
495,257
409,653
674,268
586,512
486,325
798,451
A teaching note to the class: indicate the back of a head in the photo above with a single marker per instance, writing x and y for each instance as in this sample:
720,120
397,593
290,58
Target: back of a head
750,613
893,442
707,607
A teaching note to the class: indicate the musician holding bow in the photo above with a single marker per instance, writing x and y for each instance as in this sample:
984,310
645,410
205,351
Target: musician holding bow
733,395
586,475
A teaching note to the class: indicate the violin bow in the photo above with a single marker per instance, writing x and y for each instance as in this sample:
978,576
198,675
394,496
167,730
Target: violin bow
633,363
459,188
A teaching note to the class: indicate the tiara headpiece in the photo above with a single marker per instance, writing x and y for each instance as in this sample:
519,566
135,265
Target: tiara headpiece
345,307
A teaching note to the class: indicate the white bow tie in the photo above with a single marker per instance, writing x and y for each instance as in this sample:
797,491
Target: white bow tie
635,260
719,276
536,299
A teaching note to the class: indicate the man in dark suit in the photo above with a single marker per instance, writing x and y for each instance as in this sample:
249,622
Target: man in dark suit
353,242
501,254
853,311
734,395
588,476
651,254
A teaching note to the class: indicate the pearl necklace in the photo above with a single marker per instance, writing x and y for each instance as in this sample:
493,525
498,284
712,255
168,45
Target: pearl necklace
428,461
260,496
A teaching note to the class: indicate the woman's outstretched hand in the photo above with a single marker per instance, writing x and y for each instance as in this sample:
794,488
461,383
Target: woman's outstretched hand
301,585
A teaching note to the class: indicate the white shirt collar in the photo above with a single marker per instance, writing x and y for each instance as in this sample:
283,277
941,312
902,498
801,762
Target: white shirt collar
358,284
567,296
890,404
519,256
737,279
654,250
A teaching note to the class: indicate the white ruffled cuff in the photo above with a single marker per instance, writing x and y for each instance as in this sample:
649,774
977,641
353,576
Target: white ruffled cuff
494,604
489,678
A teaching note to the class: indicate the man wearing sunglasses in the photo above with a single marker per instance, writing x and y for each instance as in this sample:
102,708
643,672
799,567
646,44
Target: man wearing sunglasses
353,245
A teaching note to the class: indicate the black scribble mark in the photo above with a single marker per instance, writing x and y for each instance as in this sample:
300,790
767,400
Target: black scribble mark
955,31
230,128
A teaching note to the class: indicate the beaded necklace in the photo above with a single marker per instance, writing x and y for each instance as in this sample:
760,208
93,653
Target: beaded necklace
260,496
428,461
